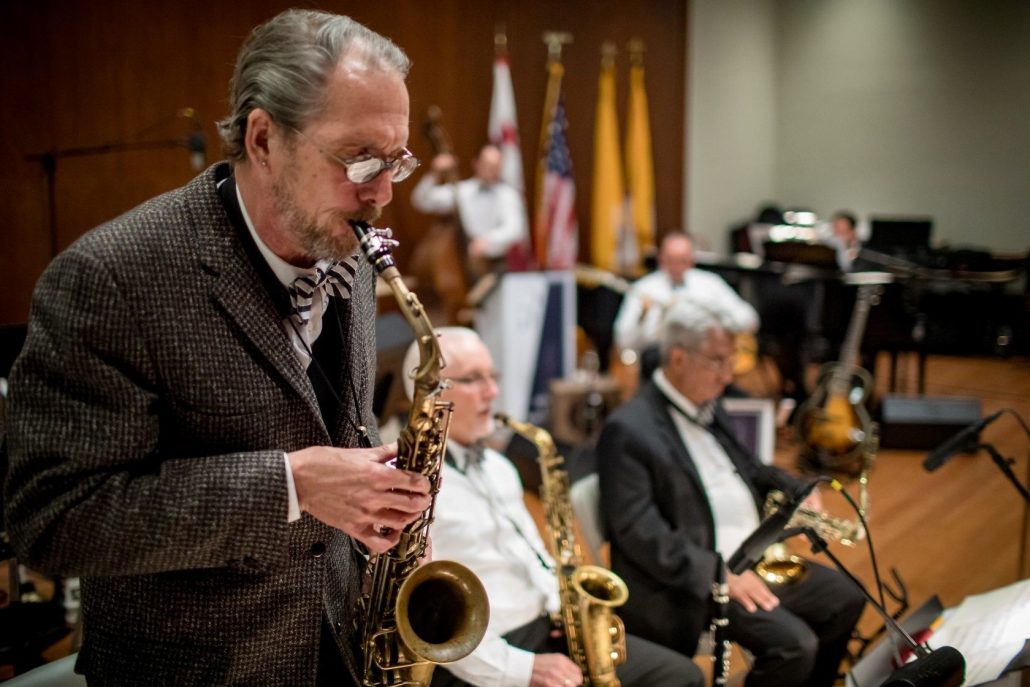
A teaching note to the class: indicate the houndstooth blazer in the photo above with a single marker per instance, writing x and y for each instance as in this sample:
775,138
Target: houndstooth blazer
149,413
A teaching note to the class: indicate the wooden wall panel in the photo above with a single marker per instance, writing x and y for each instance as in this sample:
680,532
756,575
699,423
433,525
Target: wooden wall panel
91,74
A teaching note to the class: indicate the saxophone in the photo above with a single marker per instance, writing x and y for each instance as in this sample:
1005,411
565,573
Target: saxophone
414,616
596,636
778,566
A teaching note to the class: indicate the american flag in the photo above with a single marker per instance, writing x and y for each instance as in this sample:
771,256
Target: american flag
556,225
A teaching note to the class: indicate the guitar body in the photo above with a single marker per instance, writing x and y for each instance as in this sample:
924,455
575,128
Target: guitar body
833,425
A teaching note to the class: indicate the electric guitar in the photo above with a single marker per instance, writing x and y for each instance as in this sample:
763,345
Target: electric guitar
833,423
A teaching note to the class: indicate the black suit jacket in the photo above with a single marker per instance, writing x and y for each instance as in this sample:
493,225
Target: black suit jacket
149,413
659,519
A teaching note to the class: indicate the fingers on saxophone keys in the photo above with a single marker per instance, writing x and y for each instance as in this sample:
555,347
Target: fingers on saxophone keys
406,502
378,541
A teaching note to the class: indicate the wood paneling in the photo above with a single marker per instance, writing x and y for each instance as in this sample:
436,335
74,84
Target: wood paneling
90,74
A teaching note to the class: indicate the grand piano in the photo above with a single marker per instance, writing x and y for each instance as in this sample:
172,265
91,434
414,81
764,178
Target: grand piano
934,301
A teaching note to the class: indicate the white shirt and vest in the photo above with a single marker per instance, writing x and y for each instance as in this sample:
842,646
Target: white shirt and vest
302,335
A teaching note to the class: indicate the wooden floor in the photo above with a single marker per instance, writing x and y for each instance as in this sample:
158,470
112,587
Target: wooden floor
959,530
953,532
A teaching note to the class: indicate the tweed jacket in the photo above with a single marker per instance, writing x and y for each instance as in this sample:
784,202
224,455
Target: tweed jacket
659,518
149,413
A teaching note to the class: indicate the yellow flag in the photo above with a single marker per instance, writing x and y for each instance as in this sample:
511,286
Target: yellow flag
607,219
639,162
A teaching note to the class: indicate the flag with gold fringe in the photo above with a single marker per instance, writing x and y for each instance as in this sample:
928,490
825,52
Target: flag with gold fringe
639,160
611,246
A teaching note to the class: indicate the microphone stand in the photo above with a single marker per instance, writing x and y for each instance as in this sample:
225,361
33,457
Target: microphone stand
943,667
48,161
1005,465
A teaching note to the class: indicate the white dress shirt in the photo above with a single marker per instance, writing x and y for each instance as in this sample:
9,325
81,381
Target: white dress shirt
637,329
493,213
733,506
482,522
301,338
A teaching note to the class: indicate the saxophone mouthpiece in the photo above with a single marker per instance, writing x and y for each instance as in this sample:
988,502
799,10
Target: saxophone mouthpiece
375,244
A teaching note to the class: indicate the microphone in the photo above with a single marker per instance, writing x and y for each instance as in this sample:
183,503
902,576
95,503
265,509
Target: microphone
768,532
196,142
940,455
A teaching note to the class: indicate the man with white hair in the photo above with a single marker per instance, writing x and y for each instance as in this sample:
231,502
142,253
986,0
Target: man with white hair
482,522
677,489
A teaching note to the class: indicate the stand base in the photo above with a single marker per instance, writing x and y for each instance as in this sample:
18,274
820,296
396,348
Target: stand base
945,667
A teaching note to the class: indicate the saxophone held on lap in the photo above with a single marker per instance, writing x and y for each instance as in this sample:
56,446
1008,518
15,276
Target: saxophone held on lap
413,617
596,636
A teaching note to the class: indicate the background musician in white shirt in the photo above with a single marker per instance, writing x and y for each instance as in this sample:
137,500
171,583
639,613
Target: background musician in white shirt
644,306
492,213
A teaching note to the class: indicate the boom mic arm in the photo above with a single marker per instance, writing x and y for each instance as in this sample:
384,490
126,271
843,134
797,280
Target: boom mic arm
940,455
768,532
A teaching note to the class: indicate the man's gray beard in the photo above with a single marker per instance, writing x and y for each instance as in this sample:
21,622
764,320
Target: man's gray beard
322,244
319,242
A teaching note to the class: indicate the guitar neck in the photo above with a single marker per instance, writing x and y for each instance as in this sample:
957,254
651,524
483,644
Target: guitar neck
853,339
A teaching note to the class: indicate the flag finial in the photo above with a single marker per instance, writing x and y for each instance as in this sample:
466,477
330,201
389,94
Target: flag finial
500,40
555,40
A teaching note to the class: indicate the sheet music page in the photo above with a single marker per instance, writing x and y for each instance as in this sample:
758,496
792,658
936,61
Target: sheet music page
988,630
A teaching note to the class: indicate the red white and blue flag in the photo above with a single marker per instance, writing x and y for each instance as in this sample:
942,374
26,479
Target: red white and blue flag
556,229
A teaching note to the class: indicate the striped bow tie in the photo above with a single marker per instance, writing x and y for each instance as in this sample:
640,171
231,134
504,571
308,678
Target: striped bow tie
335,278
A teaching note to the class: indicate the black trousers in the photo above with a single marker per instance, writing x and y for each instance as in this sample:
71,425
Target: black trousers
801,642
647,664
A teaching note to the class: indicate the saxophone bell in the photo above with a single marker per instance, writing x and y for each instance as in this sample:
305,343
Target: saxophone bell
442,612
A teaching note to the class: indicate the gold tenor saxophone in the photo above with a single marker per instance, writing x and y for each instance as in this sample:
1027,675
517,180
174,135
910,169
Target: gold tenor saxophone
596,636
413,617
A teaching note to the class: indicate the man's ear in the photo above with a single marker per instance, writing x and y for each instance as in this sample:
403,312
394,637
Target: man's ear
260,127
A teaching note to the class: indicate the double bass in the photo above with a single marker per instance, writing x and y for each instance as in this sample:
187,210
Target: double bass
439,258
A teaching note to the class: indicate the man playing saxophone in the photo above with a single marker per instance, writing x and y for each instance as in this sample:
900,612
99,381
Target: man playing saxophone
678,490
482,522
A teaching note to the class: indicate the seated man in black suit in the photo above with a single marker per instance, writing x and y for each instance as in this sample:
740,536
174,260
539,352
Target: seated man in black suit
676,488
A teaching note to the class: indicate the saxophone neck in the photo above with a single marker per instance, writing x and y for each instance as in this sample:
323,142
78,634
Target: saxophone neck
539,436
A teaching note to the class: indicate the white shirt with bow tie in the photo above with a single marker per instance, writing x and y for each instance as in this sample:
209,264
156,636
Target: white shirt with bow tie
482,522
730,499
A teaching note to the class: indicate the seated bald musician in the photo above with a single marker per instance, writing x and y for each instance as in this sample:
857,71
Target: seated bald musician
482,522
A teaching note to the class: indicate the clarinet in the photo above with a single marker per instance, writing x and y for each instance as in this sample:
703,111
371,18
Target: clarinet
720,602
